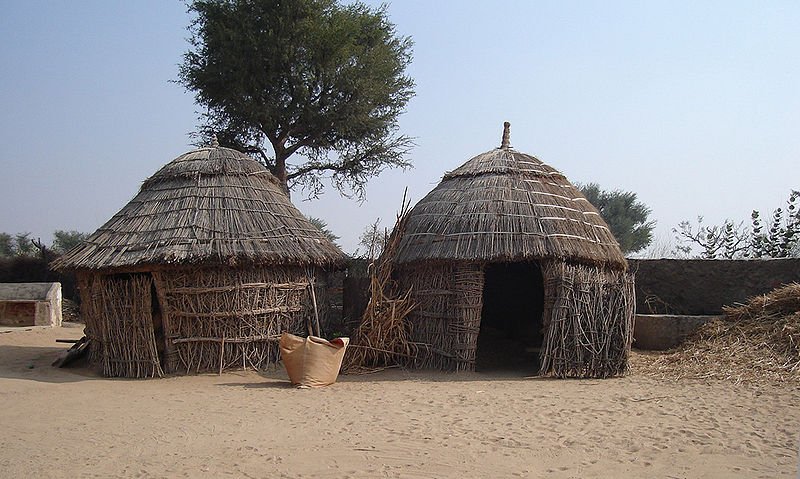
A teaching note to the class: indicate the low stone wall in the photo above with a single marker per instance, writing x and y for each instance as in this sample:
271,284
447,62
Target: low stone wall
683,294
657,332
703,287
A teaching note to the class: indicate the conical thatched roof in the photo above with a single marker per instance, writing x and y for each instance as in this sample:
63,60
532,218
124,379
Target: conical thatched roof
504,205
211,205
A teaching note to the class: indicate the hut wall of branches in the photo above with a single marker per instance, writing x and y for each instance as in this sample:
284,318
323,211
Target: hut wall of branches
587,317
187,320
504,207
201,271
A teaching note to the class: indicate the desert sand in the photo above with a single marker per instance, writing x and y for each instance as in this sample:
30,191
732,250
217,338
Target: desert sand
72,423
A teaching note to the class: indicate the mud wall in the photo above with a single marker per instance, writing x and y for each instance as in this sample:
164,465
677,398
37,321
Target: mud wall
699,287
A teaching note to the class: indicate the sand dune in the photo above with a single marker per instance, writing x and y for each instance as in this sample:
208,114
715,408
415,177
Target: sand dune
69,423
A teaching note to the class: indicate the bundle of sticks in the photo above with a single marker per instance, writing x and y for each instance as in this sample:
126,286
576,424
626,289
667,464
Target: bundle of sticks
382,338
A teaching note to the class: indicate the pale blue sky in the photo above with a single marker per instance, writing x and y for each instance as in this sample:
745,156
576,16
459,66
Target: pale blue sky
695,106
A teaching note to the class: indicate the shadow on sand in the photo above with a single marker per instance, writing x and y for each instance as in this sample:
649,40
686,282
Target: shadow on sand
34,363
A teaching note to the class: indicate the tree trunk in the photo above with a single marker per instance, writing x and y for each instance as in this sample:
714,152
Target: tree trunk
279,171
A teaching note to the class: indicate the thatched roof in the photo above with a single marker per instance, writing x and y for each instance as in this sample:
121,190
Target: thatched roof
504,205
211,205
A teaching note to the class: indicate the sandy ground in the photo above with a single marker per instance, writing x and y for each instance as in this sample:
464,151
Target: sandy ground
71,423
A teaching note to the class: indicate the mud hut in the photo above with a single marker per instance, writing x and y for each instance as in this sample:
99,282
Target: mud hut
511,267
201,271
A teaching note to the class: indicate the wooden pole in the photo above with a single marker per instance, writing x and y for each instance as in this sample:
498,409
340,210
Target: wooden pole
316,313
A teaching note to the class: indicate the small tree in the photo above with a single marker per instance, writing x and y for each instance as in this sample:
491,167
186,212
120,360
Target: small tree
730,240
624,214
6,245
734,240
782,239
371,241
311,77
23,245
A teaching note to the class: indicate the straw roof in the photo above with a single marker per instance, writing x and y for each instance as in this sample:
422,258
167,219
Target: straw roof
211,205
504,205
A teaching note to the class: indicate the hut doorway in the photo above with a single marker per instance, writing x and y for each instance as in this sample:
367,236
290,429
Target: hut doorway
511,318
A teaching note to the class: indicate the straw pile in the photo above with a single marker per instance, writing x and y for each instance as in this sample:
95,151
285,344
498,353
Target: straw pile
382,338
753,342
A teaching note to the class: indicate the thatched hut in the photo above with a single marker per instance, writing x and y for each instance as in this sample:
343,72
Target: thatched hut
510,265
201,271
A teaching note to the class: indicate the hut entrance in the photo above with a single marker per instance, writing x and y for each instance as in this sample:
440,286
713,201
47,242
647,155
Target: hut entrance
511,318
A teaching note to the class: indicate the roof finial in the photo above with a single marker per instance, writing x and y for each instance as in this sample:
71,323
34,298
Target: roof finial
214,141
506,136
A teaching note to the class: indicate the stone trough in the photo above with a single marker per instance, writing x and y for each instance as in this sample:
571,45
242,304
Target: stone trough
658,332
30,304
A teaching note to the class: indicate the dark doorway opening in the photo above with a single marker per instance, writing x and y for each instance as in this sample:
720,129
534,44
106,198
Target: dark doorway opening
510,335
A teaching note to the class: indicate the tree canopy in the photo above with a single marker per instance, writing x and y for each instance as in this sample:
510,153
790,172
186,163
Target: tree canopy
64,241
312,77
21,244
624,214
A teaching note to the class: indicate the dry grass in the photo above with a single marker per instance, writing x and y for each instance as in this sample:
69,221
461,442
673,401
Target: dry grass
753,342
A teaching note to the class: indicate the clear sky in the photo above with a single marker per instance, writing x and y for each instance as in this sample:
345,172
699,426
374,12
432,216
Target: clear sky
695,106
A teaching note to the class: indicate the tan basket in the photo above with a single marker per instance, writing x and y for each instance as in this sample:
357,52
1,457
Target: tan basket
312,362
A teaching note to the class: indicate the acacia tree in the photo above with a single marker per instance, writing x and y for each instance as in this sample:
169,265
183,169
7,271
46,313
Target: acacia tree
312,77
625,215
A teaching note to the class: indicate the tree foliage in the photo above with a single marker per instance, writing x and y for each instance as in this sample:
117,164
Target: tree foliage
6,245
730,240
323,226
312,77
371,241
64,241
22,245
19,244
624,214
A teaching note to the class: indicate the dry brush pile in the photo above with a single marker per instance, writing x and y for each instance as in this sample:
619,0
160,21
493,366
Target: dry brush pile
756,341
382,338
